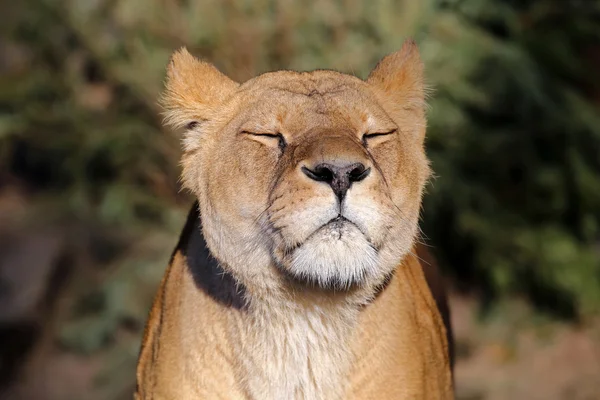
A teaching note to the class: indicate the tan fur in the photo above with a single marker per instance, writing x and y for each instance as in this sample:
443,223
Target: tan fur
264,220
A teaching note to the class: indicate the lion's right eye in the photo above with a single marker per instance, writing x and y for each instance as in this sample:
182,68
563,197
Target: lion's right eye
268,139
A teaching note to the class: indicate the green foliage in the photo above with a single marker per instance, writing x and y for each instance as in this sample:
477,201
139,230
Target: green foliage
516,147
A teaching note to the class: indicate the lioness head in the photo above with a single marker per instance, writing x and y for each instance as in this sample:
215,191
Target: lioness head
314,176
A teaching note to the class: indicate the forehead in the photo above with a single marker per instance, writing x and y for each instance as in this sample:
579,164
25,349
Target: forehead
304,83
310,97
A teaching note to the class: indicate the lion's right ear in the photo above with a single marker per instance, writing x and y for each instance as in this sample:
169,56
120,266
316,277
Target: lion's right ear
194,90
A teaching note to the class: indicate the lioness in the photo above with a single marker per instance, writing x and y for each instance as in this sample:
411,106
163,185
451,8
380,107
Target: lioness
296,276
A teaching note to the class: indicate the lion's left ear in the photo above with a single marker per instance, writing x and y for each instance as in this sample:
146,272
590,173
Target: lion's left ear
399,77
194,90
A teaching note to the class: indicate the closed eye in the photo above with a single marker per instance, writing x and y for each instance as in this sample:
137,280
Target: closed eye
266,138
368,136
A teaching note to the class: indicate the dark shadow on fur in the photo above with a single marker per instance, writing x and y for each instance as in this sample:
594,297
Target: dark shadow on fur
437,286
206,271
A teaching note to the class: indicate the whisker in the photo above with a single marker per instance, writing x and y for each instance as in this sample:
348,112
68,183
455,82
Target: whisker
418,258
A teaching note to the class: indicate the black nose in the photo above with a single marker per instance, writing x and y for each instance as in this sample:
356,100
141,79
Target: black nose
340,178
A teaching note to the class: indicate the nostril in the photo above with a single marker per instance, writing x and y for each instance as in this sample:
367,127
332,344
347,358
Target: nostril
321,173
325,172
340,178
328,173
358,173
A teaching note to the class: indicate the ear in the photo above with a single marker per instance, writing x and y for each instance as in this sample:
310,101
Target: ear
194,90
399,77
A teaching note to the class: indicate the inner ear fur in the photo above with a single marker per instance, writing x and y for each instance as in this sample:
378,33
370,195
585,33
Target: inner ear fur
398,83
194,89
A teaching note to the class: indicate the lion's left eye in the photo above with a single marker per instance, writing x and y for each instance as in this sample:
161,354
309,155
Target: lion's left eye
368,136
266,138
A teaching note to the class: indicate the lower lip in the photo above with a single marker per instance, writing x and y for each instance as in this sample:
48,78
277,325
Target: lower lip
337,222
338,219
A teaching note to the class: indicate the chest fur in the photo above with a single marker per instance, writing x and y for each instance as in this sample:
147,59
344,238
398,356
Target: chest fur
294,354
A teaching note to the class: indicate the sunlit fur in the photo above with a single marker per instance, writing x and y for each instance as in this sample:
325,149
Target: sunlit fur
310,265
338,255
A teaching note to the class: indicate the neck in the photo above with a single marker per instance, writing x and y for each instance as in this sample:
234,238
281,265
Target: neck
298,344
293,339
296,349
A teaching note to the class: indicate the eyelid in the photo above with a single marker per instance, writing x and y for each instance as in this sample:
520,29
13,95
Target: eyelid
376,134
273,135
279,136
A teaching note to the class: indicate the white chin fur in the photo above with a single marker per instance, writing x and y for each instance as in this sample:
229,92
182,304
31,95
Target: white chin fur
336,256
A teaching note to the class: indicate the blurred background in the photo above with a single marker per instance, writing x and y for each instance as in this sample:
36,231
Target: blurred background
90,205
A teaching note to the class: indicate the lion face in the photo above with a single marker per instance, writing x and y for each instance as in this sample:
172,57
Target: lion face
312,176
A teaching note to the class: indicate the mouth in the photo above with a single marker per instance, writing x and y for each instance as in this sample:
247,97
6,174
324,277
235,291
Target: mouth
334,229
340,224
336,255
336,226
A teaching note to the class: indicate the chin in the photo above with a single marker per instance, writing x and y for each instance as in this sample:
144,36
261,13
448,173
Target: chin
338,256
